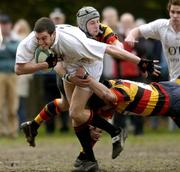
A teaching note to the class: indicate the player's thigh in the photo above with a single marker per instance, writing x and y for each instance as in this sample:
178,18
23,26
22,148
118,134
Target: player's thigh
69,88
79,98
77,106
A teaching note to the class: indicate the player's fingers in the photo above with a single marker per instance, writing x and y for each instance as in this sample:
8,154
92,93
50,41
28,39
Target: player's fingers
156,73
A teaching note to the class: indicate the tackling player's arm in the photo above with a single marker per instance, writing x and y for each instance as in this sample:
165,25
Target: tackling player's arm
102,91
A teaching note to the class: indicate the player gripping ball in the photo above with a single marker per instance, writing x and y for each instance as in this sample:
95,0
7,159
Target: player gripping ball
46,55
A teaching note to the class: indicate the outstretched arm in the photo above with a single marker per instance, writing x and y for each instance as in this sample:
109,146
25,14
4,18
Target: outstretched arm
144,64
122,54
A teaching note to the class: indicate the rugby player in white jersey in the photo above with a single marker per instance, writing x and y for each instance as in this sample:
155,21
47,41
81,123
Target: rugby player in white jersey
75,49
168,32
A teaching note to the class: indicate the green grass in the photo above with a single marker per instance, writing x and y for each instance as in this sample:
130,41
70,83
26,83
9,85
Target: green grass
153,152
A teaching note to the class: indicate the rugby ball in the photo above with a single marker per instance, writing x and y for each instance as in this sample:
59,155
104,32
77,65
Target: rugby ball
41,56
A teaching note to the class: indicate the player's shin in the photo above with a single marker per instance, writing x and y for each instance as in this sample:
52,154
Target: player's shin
82,155
101,123
118,135
83,134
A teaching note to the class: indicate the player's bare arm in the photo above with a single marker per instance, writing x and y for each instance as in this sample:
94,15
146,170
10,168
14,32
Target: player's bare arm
28,68
102,91
132,36
114,51
117,43
42,63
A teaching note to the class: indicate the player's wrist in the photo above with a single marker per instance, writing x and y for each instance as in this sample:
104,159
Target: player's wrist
66,77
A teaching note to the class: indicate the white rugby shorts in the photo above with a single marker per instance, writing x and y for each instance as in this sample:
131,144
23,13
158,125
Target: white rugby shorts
94,69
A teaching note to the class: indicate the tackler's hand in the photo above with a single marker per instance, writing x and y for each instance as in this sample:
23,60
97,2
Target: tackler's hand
81,73
80,78
78,81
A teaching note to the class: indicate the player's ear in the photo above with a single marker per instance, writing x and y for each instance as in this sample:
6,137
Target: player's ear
53,34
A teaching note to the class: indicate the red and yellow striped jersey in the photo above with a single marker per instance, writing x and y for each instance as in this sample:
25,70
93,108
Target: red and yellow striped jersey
106,34
140,98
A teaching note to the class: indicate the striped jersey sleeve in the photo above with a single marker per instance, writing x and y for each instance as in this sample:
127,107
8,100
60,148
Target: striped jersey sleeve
106,35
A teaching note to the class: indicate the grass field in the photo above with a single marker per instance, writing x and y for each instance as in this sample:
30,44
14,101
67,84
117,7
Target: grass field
152,152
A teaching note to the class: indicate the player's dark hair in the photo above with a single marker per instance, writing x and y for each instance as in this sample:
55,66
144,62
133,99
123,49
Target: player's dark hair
173,2
44,24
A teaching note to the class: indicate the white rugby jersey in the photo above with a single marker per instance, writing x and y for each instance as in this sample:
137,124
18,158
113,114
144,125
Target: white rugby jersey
70,43
162,30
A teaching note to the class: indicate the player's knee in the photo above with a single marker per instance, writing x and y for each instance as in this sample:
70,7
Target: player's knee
75,113
64,105
61,105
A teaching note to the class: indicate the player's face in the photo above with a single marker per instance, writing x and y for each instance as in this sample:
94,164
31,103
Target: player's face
45,40
93,27
174,13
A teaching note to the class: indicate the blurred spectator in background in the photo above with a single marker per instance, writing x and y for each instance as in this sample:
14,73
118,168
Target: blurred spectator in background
20,30
53,82
1,38
127,22
110,17
8,79
57,16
